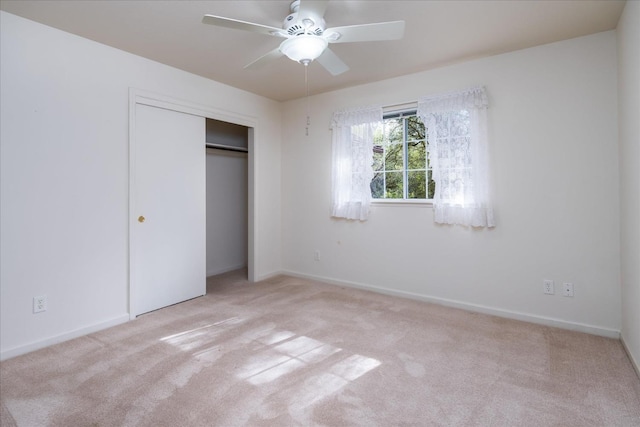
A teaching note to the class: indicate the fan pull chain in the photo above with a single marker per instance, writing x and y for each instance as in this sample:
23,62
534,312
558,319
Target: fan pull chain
306,90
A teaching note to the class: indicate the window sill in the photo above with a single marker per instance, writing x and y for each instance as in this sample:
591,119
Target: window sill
401,202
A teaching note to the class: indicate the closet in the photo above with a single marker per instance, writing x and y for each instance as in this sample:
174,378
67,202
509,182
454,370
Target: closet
190,199
227,196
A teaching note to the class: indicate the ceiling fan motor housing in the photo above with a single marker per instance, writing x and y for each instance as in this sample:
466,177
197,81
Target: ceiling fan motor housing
296,25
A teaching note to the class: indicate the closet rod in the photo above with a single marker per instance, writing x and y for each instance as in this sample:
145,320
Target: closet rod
226,147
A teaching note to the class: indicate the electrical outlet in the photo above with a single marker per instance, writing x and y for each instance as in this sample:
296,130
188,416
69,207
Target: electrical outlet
567,289
316,255
548,287
40,304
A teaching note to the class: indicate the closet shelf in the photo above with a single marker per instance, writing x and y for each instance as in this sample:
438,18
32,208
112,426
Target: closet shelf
226,147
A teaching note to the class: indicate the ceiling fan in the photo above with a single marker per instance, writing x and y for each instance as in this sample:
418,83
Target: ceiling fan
307,37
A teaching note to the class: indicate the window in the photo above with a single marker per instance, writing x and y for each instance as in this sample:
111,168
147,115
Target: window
401,165
437,153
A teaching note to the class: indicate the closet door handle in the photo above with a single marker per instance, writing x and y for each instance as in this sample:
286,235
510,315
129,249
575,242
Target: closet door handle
141,218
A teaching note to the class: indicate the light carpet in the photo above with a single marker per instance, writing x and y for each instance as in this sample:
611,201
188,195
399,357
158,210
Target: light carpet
293,352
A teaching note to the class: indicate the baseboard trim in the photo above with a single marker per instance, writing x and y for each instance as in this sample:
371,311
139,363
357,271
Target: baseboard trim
633,361
268,276
526,317
37,345
223,270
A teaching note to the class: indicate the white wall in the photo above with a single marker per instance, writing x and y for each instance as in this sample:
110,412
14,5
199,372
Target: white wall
629,120
226,211
554,152
64,177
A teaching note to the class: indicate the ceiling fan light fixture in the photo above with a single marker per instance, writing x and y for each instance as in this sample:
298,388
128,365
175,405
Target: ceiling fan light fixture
303,48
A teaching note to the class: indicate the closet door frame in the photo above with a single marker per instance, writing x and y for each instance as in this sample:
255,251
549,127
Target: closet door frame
137,96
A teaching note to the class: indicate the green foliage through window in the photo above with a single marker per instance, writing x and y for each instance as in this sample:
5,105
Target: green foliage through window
401,160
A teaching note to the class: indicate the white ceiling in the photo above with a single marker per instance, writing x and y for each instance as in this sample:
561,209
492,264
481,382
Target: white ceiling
437,33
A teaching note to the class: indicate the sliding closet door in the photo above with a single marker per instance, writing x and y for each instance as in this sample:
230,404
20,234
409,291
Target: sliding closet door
168,259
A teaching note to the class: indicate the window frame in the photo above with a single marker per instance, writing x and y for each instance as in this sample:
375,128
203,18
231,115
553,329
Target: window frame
404,113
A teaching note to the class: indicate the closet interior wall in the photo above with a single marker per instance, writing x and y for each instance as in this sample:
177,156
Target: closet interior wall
227,196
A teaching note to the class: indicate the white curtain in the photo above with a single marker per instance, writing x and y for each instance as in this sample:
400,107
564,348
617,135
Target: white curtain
352,159
457,139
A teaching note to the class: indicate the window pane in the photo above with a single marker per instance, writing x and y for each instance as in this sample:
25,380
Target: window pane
417,185
394,130
378,157
417,155
394,188
432,185
377,186
400,158
393,157
415,128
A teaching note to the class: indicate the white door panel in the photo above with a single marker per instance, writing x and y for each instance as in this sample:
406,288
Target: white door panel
168,247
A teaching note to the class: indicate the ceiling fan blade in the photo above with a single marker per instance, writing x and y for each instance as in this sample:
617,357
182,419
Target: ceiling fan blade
332,63
312,9
393,30
264,59
221,21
